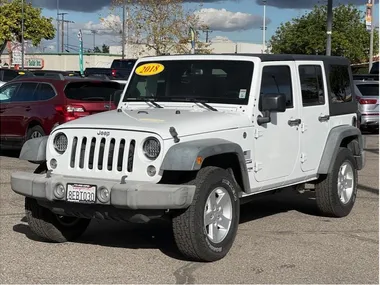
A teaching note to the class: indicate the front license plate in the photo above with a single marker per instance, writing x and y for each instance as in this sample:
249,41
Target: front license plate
81,193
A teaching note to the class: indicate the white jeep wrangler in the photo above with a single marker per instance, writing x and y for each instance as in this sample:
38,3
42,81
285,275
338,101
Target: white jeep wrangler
192,136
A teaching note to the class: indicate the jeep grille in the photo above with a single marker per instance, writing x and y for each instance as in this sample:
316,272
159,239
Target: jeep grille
102,154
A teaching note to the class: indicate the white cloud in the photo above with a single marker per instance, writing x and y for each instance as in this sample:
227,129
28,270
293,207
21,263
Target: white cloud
220,39
227,21
108,25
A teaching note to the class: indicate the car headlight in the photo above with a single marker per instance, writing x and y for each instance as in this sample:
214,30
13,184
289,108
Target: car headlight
151,148
60,142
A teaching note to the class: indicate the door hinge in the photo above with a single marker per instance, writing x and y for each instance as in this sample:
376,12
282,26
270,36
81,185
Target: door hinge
303,157
257,134
257,166
303,127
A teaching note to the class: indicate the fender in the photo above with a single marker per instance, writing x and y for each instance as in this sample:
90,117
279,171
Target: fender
334,139
34,150
183,156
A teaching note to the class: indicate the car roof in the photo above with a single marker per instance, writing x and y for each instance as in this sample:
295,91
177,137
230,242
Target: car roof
267,57
63,79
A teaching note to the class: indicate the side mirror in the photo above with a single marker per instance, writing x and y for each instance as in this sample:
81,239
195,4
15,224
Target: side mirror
117,96
271,103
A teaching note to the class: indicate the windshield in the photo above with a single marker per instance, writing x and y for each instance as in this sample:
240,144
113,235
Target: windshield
91,90
213,81
369,89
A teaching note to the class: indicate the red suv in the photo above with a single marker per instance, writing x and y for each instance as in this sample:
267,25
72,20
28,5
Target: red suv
32,106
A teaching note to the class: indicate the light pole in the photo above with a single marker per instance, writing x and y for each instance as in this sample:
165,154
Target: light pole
123,35
371,36
22,34
329,26
264,2
57,26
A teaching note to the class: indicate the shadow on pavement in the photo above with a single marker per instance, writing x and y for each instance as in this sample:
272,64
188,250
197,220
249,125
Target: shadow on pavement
10,153
368,189
159,235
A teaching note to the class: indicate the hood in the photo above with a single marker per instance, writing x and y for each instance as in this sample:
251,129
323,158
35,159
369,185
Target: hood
186,122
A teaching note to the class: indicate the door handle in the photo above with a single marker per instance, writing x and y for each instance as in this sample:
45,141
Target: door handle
27,108
324,118
294,122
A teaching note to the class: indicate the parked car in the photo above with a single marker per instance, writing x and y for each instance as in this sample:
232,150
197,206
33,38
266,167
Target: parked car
121,68
7,74
32,106
367,95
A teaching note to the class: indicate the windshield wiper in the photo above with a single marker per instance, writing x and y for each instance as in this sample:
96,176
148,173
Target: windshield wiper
152,101
203,103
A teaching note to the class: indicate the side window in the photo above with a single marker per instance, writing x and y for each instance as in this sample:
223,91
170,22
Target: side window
44,92
277,79
9,75
7,92
340,85
311,85
26,93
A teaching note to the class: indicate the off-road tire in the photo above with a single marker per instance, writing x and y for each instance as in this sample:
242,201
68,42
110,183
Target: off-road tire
45,224
188,225
31,130
326,191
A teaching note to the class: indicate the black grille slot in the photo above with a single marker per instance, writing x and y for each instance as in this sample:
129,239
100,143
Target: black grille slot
121,155
91,156
131,154
101,153
111,154
73,152
82,152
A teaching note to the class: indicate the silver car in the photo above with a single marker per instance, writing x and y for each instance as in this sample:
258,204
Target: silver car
367,95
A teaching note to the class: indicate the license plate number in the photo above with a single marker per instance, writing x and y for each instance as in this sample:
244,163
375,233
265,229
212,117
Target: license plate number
81,193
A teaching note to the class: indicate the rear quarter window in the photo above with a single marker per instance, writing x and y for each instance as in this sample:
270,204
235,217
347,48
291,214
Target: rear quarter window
91,90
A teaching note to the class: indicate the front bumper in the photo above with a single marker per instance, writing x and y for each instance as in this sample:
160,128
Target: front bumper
131,195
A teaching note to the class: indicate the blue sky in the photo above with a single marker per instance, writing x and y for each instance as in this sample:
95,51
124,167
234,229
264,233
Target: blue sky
237,20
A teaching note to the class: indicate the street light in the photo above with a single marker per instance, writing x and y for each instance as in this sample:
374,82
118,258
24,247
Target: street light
264,2
329,26
22,34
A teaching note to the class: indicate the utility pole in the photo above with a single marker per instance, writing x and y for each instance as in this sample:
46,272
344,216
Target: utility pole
63,29
370,5
57,26
264,27
22,35
93,39
207,31
67,31
329,26
123,35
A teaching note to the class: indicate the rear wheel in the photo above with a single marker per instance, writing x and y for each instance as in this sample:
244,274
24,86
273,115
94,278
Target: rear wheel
336,194
34,132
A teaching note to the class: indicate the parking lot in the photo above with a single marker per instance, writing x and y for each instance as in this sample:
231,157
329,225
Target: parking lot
280,240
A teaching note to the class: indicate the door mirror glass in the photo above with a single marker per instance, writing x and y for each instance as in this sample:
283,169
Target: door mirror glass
275,102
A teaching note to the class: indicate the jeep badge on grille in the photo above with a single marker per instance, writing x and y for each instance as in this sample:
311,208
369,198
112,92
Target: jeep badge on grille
103,133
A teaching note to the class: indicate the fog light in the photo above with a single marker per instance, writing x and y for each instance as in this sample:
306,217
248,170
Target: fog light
103,195
59,191
53,163
151,170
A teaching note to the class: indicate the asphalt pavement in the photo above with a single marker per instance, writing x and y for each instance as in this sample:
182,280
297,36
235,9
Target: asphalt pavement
281,239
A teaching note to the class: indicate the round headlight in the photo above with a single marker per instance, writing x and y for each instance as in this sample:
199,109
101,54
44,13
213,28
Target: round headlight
151,148
60,143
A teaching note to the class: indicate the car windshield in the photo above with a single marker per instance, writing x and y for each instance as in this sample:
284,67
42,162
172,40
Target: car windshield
91,90
212,81
369,89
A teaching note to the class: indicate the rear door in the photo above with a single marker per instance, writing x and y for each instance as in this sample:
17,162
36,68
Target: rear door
6,94
314,114
20,110
92,96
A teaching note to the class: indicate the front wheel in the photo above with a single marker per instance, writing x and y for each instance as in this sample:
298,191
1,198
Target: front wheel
336,194
207,229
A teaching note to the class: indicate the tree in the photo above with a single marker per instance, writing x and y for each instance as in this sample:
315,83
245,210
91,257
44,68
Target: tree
97,50
36,27
105,48
307,34
162,26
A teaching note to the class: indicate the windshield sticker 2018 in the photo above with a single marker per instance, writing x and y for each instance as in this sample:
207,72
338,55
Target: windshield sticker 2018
149,69
242,93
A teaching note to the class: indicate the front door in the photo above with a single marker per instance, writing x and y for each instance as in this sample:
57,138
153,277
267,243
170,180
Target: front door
276,144
314,128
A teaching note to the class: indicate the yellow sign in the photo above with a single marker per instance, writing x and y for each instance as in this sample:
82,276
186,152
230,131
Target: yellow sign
149,69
